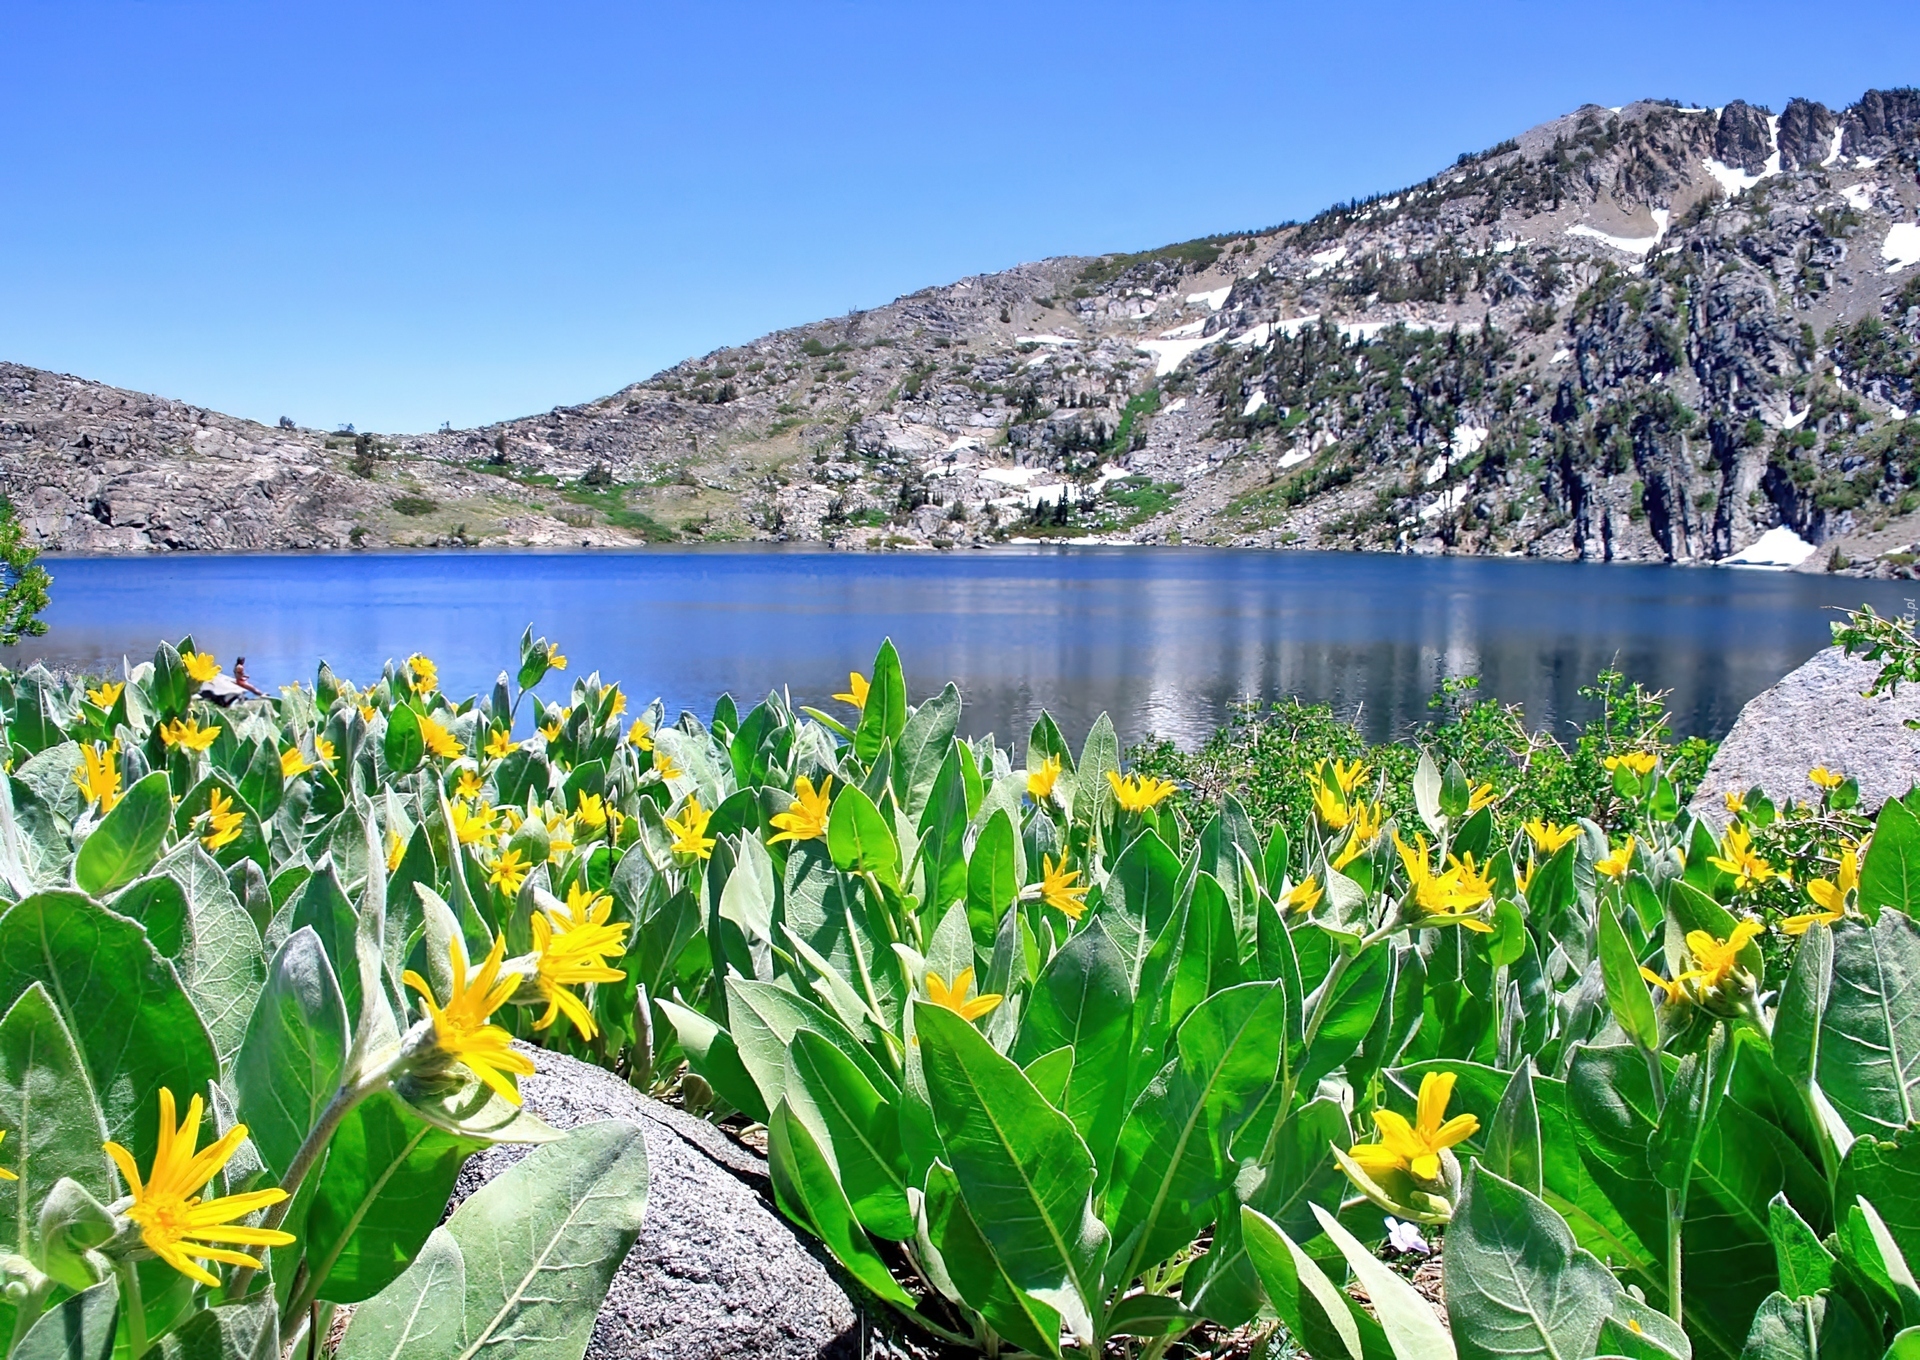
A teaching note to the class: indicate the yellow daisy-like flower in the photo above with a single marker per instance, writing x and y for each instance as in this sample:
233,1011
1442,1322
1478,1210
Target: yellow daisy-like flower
1303,896
1364,821
294,763
664,767
619,703
592,811
468,785
188,733
573,951
551,731
1445,898
1736,802
1061,889
1483,796
640,736
323,749
954,998
200,666
396,850
422,674
509,872
1549,837
690,830
471,825
1640,762
176,1224
1825,778
224,824
1524,877
438,740
1346,776
856,693
1738,858
5,1174
99,775
806,819
554,659
106,694
1674,990
1332,806
461,1030
1415,1148
1718,959
366,711
1040,782
1830,895
1139,792
500,744
559,835
1616,864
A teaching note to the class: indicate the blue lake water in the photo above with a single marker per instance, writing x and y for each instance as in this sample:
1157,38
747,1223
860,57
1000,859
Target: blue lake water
1165,639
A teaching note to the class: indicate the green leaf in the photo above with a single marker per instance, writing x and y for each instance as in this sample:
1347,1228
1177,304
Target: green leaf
1513,1141
923,744
976,1273
522,1266
1887,1174
127,841
1099,757
859,839
53,1123
993,878
1516,1283
1426,793
1805,1264
1405,1317
712,1054
131,1022
1314,1309
856,1127
942,830
1803,1003
403,746
233,1331
807,1189
80,1328
1818,1328
1869,1045
884,717
384,1188
766,1017
219,958
1020,1160
1890,876
1357,1000
1627,993
1083,1000
295,1051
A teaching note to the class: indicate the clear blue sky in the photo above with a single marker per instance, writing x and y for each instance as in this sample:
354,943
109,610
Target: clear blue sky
397,214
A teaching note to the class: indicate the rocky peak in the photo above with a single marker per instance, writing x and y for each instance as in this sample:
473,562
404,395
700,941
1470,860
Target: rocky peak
1743,137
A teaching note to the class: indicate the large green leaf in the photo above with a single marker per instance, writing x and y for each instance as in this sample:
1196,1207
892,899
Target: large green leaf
859,839
942,830
976,1274
1314,1309
1823,1327
1357,1000
1890,877
385,1186
993,877
127,841
295,1051
1405,1317
884,716
922,745
221,961
233,1331
53,1123
1887,1175
133,1025
1516,1283
808,1191
1083,1001
766,1017
404,745
1869,1048
81,1328
1139,900
857,1127
522,1267
1020,1161
1804,1263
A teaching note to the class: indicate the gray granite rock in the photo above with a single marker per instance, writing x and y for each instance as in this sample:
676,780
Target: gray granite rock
1816,716
717,1273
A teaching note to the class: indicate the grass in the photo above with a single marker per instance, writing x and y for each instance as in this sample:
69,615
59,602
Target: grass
610,503
412,505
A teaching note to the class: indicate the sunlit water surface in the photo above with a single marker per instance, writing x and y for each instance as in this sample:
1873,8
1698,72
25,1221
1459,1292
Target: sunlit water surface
1166,640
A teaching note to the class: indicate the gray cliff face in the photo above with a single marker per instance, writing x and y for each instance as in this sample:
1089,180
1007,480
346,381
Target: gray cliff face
1651,334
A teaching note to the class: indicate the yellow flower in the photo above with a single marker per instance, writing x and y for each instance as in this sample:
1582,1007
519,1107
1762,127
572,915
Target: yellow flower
366,712
105,695
6,1175
554,659
1640,762
1736,802
1738,858
806,820
1675,990
559,835
954,998
1346,777
200,666
293,763
664,767
438,740
189,733
467,785
690,830
500,744
396,850
1480,798
1040,782
1061,889
857,688
509,872
573,951
639,735
1825,778
1139,792
1415,1148
460,1029
176,1224
1332,806
472,825
1616,864
223,823
551,731
1549,837
1717,959
619,703
422,674
1522,879
1444,897
99,775
1304,896
592,810
1830,895
324,749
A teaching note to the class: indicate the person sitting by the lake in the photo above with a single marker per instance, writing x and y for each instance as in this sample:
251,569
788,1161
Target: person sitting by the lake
227,691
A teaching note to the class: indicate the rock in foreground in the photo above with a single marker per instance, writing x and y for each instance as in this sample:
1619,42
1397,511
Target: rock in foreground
1815,716
716,1273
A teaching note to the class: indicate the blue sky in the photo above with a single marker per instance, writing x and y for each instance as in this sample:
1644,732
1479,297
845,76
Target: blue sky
398,214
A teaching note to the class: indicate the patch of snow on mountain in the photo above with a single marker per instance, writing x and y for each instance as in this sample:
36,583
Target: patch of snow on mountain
1254,403
1179,405
1012,476
1259,335
1857,196
1902,246
1630,245
1182,332
1778,549
1294,458
1833,154
1215,300
1561,356
1045,340
1170,354
1292,326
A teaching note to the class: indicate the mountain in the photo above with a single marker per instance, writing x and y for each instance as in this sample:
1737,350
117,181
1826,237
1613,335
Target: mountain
1651,333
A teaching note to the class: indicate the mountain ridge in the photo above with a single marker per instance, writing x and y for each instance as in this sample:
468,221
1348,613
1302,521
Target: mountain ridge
1650,333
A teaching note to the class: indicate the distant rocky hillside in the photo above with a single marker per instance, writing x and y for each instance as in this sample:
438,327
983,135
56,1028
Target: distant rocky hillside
1647,333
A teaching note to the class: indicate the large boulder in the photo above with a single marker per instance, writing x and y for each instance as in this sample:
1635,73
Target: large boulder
717,1272
1816,716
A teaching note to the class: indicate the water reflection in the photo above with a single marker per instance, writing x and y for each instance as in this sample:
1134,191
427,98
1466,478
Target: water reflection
1164,639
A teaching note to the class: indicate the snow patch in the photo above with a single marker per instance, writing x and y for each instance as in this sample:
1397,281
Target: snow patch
1294,458
1170,354
1215,300
1833,152
1009,476
1294,325
1045,340
1630,245
1561,356
1902,246
1508,245
1179,405
1466,442
1858,196
1323,260
1259,335
1254,403
1195,469
1778,549
1445,504
1732,178
1865,162
1182,332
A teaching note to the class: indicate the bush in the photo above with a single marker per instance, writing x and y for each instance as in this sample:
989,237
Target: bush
414,505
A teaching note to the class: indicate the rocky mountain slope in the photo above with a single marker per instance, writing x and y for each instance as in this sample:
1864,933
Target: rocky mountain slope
1647,333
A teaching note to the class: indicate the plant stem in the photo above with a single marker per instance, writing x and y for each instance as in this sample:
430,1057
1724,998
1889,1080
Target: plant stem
30,1309
135,1308
1676,1218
